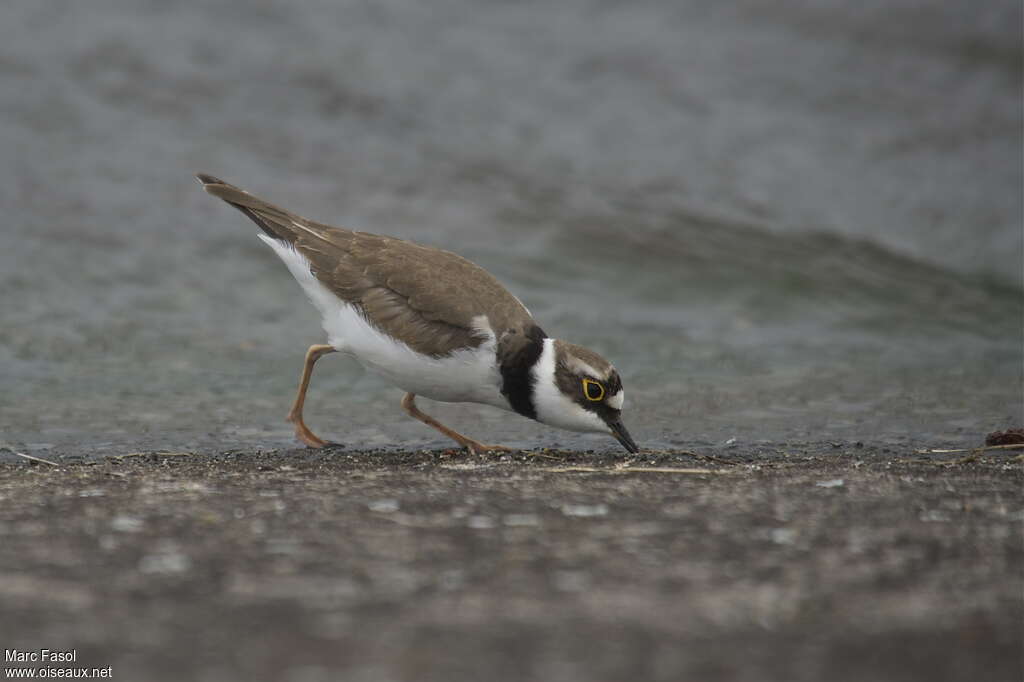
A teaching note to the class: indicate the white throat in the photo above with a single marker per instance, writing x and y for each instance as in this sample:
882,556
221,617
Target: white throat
554,407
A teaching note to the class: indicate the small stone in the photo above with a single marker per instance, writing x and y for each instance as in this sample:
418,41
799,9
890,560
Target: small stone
388,506
521,520
126,524
481,522
585,510
783,536
165,562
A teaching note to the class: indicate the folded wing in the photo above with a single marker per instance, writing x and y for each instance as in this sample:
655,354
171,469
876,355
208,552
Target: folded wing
428,298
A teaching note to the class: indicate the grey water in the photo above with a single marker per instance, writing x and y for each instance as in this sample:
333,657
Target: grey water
780,221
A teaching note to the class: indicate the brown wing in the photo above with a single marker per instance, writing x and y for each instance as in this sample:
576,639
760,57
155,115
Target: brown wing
425,296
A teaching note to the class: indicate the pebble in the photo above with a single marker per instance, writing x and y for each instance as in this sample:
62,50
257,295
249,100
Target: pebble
388,506
585,510
126,524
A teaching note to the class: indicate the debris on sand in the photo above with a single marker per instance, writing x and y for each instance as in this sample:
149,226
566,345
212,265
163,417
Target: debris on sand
1007,437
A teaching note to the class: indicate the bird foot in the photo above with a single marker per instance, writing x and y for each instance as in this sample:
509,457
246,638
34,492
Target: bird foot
303,433
476,447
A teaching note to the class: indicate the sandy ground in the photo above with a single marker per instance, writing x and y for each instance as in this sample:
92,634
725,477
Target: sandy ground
778,561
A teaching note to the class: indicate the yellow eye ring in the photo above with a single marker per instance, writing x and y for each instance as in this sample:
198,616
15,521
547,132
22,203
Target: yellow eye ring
588,387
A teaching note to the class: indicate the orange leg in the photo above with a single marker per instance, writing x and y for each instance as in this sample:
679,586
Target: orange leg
474,447
302,431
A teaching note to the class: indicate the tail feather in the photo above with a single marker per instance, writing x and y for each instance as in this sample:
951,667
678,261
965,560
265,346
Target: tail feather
273,220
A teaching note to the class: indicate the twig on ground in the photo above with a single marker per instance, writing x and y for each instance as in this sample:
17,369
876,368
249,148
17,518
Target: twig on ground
710,458
689,453
534,453
158,453
973,453
29,457
933,451
631,470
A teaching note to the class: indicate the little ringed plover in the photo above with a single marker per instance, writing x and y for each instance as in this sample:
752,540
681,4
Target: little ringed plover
433,324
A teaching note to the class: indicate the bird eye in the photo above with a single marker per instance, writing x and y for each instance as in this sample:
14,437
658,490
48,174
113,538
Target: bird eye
593,390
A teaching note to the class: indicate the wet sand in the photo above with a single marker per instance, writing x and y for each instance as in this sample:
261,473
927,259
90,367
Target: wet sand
774,561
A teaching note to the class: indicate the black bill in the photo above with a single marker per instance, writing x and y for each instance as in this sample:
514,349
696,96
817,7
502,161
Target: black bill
622,435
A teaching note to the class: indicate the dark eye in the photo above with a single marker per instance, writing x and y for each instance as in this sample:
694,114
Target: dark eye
593,390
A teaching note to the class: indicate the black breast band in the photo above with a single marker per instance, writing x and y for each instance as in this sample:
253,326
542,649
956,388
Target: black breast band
517,371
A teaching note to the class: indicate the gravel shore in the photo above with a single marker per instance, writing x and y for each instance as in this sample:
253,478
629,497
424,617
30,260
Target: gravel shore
796,561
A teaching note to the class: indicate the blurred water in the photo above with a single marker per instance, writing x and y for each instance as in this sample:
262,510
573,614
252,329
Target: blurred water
779,222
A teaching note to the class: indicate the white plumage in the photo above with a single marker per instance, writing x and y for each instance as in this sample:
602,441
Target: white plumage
553,406
468,375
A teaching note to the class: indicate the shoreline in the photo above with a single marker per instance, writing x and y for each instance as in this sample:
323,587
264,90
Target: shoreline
825,560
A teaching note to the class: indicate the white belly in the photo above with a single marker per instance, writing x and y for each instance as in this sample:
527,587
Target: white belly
467,375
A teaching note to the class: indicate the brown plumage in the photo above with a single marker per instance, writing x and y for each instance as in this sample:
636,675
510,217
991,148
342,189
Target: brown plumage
423,295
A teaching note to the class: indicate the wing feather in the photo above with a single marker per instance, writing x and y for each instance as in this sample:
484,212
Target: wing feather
425,296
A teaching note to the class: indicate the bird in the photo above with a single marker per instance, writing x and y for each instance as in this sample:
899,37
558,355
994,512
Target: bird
433,324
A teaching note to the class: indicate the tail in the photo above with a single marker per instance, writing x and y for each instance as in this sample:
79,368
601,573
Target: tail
276,222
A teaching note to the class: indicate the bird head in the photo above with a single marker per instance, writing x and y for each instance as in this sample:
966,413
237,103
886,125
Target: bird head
577,389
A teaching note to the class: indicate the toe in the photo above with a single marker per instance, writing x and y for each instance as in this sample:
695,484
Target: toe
307,437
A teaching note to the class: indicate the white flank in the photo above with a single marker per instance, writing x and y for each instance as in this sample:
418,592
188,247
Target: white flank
553,406
467,375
